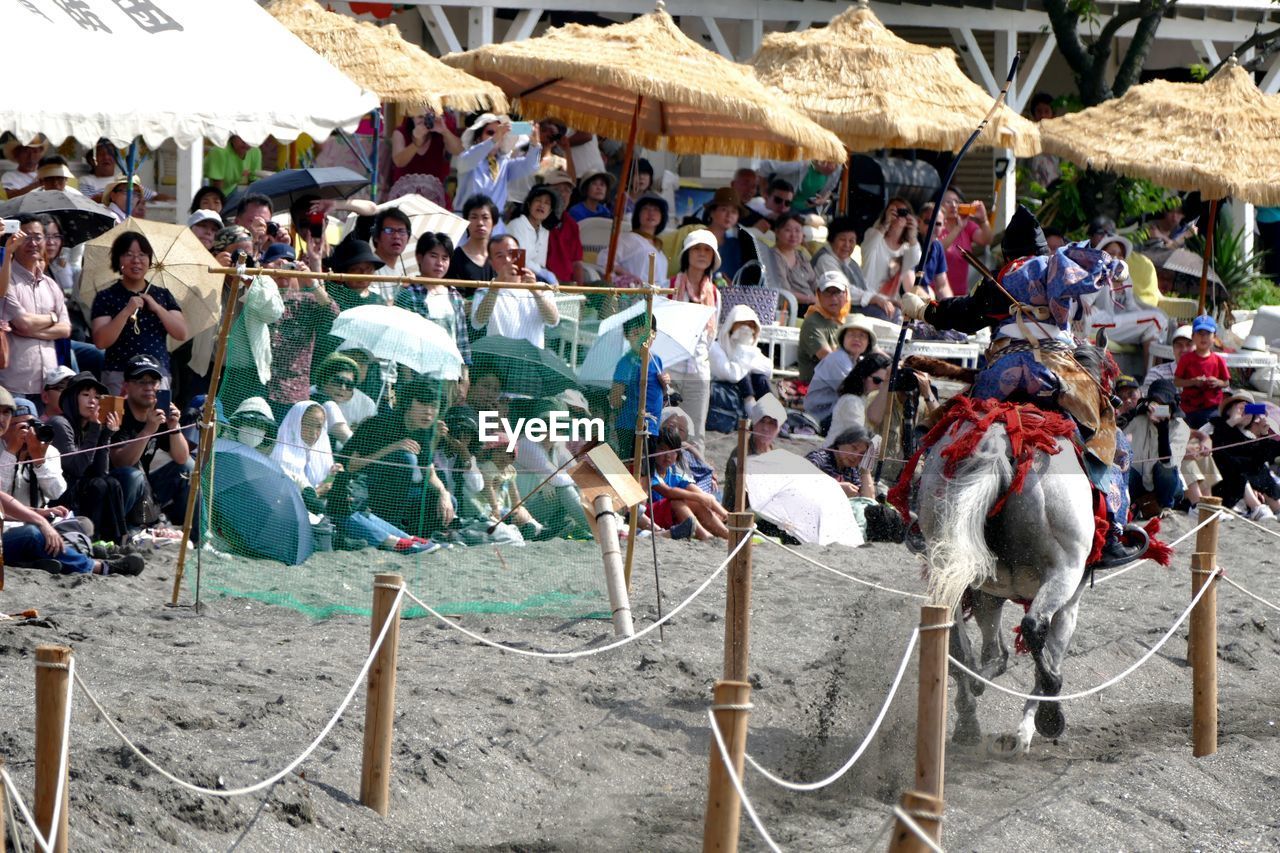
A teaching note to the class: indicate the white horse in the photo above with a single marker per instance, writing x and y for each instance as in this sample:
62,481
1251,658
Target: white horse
1034,549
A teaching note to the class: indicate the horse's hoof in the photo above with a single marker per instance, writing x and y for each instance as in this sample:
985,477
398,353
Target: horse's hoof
1005,747
967,735
1050,721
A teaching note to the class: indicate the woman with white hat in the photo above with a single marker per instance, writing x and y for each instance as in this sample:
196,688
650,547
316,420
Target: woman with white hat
699,260
486,163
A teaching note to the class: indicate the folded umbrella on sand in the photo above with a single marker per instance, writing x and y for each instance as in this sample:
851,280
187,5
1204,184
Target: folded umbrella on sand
679,325
80,217
400,336
794,494
257,510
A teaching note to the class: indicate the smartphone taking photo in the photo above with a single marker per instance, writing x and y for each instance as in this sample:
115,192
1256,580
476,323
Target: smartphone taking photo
164,398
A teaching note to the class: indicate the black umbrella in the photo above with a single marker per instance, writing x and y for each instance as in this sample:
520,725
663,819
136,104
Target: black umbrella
80,218
283,187
524,368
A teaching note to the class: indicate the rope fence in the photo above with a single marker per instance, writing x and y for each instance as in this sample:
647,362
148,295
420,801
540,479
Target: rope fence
47,844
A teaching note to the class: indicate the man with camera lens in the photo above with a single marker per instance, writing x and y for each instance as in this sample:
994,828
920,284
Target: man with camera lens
254,215
149,456
30,467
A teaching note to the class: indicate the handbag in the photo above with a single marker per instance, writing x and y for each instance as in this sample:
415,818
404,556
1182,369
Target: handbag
760,299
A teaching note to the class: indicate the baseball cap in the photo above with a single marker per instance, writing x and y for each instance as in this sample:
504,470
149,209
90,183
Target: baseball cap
61,373
203,215
1204,323
1182,332
23,406
833,280
276,251
141,365
6,399
1127,382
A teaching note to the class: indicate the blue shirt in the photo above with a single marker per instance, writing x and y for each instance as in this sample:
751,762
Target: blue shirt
627,374
935,263
475,177
580,211
671,478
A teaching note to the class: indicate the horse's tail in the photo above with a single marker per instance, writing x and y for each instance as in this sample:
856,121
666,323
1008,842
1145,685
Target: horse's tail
958,554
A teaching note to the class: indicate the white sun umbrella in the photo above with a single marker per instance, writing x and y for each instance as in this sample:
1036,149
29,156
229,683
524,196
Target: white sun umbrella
794,494
679,324
403,337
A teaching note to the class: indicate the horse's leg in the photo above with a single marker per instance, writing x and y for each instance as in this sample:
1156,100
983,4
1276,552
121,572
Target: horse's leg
987,610
967,689
1059,591
1050,721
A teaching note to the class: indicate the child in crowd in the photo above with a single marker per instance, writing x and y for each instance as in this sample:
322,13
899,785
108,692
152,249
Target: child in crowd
1201,374
767,417
498,492
678,504
624,395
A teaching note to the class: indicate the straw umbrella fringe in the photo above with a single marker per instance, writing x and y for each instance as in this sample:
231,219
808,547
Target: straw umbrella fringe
847,77
1221,137
381,61
694,101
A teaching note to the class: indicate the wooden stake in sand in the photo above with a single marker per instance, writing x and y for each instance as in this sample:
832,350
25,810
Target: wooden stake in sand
926,811
724,808
740,485
380,706
52,680
1206,543
4,808
931,710
1204,657
737,601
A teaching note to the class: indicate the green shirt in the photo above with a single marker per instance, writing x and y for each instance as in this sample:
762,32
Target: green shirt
223,164
347,297
816,332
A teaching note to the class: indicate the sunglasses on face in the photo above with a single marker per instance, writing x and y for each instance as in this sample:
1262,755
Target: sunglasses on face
877,380
779,199
348,384
389,231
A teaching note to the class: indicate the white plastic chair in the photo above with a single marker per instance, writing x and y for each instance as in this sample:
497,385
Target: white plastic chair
567,330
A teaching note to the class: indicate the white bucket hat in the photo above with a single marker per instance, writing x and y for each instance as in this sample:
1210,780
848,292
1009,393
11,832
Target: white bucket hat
469,135
702,237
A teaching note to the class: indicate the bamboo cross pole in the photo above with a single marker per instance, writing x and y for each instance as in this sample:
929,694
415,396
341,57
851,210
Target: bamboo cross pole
447,282
53,679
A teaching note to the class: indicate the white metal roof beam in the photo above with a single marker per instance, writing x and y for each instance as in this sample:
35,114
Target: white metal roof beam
437,23
523,24
974,60
1033,69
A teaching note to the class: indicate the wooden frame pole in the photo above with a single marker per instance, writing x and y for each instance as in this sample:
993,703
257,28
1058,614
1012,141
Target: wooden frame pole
1208,253
931,710
1204,657
740,484
4,809
737,602
615,580
620,198
639,445
52,682
208,433
448,282
724,807
380,705
926,811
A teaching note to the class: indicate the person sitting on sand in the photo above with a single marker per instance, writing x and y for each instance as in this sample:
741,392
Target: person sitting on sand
692,465
542,466
678,504
846,460
91,490
302,452
498,493
767,417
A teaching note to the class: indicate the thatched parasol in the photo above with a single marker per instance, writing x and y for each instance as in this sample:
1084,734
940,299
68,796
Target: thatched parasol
692,101
852,75
1221,138
378,59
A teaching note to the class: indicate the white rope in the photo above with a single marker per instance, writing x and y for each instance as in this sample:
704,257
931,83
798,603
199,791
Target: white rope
737,783
835,571
581,653
47,844
1247,520
1255,597
392,616
1103,686
866,742
1184,537
910,824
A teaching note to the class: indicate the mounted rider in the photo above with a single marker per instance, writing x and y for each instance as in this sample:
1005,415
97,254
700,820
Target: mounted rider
1034,358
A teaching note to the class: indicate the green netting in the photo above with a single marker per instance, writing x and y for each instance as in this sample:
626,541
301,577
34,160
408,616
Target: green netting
312,539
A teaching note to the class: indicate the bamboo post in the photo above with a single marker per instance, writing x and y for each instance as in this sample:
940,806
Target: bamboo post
1206,543
740,484
1204,658
624,180
724,808
1208,253
204,453
52,683
737,602
4,808
842,205
640,446
926,811
615,579
931,709
380,706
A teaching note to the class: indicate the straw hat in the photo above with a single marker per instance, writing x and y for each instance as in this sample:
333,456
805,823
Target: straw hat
380,60
1234,397
591,176
1220,137
117,182
555,177
11,147
54,170
694,100
839,76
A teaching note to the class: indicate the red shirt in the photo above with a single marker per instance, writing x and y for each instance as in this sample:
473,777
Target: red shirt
1198,398
564,249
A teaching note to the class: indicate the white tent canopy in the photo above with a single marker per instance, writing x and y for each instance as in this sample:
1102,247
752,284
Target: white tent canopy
127,69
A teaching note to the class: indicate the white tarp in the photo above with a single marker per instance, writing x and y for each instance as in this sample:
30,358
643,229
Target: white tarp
159,69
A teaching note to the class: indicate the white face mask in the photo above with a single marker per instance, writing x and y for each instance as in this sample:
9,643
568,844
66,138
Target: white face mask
743,337
252,436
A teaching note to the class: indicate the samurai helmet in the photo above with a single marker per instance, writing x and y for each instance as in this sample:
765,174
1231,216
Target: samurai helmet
1023,236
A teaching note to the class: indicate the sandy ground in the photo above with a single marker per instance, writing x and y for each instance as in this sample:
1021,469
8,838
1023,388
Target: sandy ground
495,752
